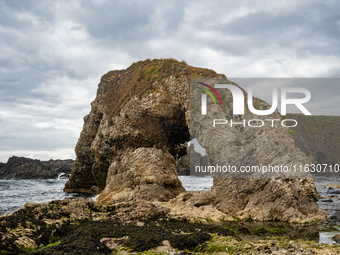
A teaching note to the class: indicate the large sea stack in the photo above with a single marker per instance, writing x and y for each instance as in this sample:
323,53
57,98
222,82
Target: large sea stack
138,127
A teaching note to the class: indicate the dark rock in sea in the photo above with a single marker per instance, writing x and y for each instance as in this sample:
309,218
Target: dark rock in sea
64,175
185,171
183,165
333,191
336,238
326,200
26,168
336,216
4,186
192,158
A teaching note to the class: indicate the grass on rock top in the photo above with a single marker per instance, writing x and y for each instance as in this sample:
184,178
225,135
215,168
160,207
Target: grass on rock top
121,85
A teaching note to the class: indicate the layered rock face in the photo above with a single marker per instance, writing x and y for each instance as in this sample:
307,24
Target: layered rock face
26,168
286,196
138,126
144,106
145,174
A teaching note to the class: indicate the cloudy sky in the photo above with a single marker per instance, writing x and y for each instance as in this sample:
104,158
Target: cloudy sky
53,54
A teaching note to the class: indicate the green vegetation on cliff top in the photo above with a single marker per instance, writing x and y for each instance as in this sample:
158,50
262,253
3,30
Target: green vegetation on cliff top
121,85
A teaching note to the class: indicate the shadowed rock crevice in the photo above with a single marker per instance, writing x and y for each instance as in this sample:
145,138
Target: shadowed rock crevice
82,178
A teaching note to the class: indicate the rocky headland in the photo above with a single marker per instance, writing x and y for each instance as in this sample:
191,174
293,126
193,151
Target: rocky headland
139,125
133,141
27,168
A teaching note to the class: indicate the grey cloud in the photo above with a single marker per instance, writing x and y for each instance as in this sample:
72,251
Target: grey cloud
54,52
126,23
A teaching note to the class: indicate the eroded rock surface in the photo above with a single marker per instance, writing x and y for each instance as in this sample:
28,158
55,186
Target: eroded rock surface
144,106
145,174
27,168
138,126
82,226
266,196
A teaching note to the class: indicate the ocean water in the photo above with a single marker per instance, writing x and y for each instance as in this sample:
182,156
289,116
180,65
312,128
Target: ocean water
196,183
15,193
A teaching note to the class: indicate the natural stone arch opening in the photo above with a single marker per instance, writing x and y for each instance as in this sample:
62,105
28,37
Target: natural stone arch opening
143,166
177,132
185,167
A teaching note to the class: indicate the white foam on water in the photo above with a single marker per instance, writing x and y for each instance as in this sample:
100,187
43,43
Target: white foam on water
327,237
196,183
14,194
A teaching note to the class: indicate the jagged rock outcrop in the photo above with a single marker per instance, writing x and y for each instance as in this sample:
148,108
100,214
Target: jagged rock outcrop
145,174
183,165
138,126
285,196
145,105
26,168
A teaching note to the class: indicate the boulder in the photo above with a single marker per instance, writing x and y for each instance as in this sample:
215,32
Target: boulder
336,238
326,200
183,165
145,174
337,216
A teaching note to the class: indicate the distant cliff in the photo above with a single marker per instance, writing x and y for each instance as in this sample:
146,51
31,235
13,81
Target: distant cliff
318,137
26,168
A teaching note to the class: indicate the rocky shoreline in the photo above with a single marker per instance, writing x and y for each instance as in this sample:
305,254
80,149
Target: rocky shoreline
27,168
82,226
133,145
